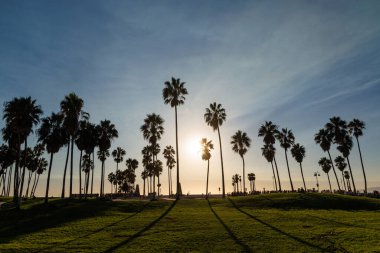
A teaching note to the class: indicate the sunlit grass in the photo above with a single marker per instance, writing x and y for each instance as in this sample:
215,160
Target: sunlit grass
274,223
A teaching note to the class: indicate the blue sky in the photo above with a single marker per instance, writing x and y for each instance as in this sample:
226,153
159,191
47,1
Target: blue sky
297,63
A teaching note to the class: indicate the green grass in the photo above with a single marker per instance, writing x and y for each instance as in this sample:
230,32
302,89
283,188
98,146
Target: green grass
265,223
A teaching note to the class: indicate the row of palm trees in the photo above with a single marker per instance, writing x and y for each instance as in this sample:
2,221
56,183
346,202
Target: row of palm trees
236,179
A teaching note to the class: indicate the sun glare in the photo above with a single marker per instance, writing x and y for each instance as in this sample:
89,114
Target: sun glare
193,147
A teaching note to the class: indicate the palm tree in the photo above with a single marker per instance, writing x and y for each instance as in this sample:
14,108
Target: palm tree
286,139
132,165
347,177
118,156
170,161
340,163
355,128
240,144
345,147
268,151
174,93
111,179
50,134
152,130
20,115
268,131
87,165
235,181
326,166
298,152
214,117
144,176
80,142
324,138
7,158
338,128
206,155
107,132
41,167
71,107
146,161
252,178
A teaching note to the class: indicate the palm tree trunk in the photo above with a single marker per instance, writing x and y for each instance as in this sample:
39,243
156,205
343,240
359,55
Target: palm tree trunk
80,174
328,177
208,167
71,166
22,177
35,187
221,161
287,164
254,186
144,189
242,157
278,175
176,149
158,187
102,180
303,179
332,164
16,175
348,185
361,161
92,174
48,179
34,183
169,180
64,172
274,175
29,179
344,182
9,180
352,178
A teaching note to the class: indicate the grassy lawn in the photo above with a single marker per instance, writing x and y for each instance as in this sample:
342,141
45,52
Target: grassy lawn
270,223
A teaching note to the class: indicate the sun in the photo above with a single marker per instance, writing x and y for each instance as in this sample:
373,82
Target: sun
193,146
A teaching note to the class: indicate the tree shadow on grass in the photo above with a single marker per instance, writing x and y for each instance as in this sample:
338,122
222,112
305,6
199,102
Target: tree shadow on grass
39,216
276,229
95,231
139,233
229,231
341,223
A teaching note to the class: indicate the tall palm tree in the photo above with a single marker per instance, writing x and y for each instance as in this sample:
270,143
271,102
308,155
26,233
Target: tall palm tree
240,144
268,132
347,177
286,139
341,165
7,158
118,156
324,138
345,147
87,165
20,115
50,134
174,93
214,117
111,178
268,151
80,142
326,166
355,128
206,155
298,152
146,161
107,132
170,162
252,178
144,176
71,107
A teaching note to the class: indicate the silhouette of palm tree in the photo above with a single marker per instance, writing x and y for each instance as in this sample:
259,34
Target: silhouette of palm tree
324,138
326,166
132,165
174,93
51,135
107,132
338,128
268,131
170,162
345,147
286,139
355,128
298,152
268,151
252,178
206,155
20,115
118,156
71,107
341,165
240,144
214,117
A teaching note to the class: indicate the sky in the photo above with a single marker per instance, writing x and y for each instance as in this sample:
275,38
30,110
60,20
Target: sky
296,63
